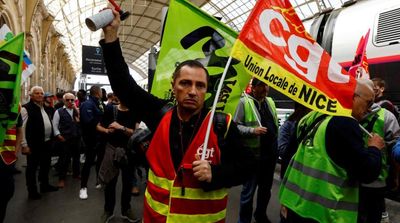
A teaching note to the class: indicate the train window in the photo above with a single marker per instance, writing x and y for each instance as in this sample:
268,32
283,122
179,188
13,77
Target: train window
388,28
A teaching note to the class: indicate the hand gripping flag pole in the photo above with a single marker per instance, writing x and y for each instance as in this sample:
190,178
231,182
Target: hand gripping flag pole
210,121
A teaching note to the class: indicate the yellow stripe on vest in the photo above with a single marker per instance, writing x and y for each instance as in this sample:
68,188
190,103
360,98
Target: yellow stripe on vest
200,218
199,194
158,207
10,137
161,182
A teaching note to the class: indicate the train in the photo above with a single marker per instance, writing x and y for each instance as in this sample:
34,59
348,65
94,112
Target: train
339,31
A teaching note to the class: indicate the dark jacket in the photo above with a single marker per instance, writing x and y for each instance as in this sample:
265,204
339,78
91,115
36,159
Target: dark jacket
236,162
69,128
90,115
34,132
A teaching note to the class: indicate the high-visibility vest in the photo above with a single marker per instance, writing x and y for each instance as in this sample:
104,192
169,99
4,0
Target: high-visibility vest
314,186
250,120
7,149
178,197
377,122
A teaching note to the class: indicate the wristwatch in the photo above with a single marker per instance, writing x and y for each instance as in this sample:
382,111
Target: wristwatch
123,129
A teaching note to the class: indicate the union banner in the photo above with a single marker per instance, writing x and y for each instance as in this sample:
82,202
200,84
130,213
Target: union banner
274,47
191,33
11,59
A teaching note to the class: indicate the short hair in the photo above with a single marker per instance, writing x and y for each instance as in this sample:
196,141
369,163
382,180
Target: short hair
68,94
110,95
34,88
94,89
60,94
364,84
189,63
379,81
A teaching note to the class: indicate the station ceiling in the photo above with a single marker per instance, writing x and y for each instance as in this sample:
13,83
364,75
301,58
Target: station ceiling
141,30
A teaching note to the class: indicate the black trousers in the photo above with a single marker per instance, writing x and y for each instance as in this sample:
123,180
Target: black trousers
40,157
261,179
93,149
6,188
109,191
371,204
69,149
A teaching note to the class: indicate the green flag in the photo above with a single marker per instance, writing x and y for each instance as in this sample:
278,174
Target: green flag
11,58
191,33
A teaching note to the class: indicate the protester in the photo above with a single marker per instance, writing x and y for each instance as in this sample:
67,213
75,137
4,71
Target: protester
321,182
8,153
381,100
60,100
37,141
67,131
396,151
117,126
287,140
81,97
181,187
372,196
91,111
262,141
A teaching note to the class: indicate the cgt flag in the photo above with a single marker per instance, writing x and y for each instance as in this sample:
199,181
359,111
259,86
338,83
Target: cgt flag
274,47
359,67
191,33
11,59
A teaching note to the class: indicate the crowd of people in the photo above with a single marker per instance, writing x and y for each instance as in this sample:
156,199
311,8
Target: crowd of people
324,158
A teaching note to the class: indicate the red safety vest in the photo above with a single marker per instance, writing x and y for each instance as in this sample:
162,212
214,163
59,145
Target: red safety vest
7,149
178,197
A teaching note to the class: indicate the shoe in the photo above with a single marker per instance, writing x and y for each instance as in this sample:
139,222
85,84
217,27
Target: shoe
385,217
106,217
47,188
98,186
135,191
83,193
34,196
128,215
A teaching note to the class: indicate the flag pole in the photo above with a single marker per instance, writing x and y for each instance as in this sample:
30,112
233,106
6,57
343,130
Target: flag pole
252,108
364,130
210,121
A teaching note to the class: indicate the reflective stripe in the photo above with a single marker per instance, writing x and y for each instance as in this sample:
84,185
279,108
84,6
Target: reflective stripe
158,207
197,218
328,203
10,137
332,179
199,194
161,182
7,148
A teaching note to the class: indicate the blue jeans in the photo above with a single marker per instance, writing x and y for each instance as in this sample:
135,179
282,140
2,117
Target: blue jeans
262,178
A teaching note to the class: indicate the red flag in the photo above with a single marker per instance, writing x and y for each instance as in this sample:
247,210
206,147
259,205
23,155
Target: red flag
359,67
274,47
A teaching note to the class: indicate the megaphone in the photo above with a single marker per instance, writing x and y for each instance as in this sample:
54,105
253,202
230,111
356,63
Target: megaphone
105,17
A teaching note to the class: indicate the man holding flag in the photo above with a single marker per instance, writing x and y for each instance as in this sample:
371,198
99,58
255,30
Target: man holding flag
321,183
181,187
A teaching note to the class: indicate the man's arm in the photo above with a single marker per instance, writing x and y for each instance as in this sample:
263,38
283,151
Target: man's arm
391,129
56,122
236,165
345,146
122,83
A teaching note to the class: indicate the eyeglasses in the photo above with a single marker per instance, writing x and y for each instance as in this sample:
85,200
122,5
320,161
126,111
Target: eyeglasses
369,101
70,99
